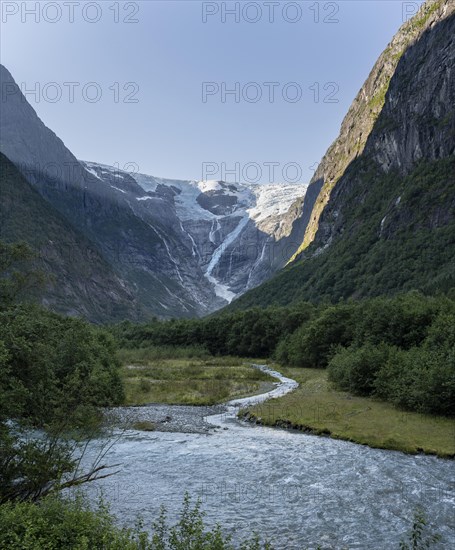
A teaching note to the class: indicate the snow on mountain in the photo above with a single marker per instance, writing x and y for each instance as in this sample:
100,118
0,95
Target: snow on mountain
227,227
273,200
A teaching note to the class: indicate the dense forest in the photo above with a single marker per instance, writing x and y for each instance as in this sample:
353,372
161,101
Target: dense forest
401,349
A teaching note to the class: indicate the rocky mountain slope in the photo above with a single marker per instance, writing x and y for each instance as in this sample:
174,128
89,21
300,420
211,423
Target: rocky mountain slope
79,280
180,248
233,231
384,218
364,112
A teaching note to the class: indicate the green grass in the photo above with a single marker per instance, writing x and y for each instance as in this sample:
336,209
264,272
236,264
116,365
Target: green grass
184,381
146,355
317,408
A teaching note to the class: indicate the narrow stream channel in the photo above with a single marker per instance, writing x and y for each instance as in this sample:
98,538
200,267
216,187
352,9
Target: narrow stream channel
299,490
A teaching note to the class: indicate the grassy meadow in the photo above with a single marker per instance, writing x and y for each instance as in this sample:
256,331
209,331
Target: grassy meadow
317,408
187,377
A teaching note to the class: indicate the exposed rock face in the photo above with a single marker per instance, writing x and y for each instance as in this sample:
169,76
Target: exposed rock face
79,281
417,122
236,234
366,107
177,248
384,220
136,244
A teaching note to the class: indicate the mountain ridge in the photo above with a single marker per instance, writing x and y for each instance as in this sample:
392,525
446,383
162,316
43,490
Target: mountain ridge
387,224
176,258
364,111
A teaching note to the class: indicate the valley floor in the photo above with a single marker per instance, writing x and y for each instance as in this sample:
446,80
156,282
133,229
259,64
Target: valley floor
185,381
160,392
316,408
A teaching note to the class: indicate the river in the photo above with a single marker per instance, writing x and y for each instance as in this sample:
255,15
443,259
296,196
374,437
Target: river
299,490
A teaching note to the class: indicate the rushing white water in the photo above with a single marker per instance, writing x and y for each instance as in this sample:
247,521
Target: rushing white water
216,256
285,386
300,490
222,290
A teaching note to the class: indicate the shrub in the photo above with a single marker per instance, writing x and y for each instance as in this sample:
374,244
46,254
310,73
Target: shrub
354,369
59,524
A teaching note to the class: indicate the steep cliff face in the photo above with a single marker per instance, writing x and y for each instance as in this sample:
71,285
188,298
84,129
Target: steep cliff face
390,220
416,125
78,280
364,112
180,248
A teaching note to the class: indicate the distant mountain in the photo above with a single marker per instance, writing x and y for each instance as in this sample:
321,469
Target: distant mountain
180,248
79,281
383,214
236,233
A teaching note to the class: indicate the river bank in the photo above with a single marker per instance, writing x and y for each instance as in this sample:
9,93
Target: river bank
313,408
316,408
299,490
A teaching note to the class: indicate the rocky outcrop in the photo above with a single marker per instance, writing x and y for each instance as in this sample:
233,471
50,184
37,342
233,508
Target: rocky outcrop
365,110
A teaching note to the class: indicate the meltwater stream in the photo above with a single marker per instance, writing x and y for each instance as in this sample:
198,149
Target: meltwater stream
298,490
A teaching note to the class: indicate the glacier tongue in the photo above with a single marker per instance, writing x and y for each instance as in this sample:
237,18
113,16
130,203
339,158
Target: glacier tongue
222,290
212,218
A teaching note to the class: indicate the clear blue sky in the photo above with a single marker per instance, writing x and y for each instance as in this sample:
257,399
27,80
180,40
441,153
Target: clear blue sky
168,55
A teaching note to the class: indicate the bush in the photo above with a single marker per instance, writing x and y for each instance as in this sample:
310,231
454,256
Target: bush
419,380
58,524
59,365
355,369
313,344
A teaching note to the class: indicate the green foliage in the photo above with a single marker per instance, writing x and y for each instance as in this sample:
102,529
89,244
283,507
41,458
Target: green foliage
421,536
54,373
419,380
354,369
16,276
31,467
314,342
397,348
61,365
57,524
145,355
403,352
60,524
253,333
384,247
402,321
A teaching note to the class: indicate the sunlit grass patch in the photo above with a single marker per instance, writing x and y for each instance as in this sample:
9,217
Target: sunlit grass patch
316,407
